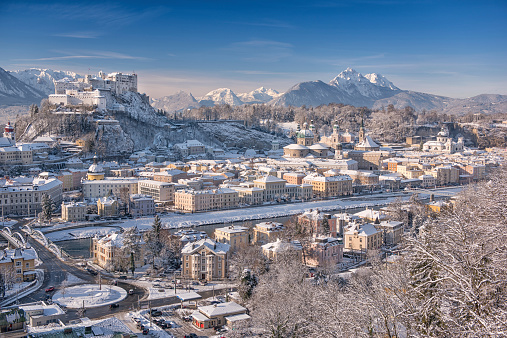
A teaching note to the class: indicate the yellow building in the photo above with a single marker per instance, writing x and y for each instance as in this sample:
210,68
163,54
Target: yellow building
274,187
267,232
205,259
18,265
96,171
362,237
236,236
108,252
330,186
107,207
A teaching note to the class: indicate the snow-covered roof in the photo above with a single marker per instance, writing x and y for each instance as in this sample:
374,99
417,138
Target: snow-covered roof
269,178
279,246
211,245
296,146
366,229
233,229
221,309
368,143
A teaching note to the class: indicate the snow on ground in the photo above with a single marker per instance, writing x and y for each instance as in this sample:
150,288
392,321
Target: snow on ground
277,210
93,295
71,279
16,287
159,290
78,233
8,223
71,225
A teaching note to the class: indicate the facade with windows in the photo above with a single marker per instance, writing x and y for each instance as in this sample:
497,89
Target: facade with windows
18,265
205,260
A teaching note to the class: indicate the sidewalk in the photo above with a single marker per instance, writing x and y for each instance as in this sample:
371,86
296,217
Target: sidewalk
38,283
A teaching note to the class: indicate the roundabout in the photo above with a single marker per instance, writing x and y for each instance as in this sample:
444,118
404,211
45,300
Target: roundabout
89,296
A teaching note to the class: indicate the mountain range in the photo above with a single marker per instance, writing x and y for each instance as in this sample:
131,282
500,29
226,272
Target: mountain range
349,87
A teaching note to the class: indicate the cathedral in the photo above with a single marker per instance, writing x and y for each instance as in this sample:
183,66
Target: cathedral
307,145
444,143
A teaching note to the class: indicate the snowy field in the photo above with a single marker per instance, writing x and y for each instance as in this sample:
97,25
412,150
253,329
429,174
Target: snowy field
92,294
277,210
78,233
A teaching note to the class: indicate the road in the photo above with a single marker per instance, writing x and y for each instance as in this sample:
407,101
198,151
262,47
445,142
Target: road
55,272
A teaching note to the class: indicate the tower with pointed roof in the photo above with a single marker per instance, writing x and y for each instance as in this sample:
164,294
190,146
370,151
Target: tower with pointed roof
9,132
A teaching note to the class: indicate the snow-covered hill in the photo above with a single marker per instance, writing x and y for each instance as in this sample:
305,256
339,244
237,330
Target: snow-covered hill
176,103
220,96
15,92
260,95
43,79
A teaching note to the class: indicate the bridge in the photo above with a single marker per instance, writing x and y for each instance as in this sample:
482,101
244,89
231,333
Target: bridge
42,239
15,239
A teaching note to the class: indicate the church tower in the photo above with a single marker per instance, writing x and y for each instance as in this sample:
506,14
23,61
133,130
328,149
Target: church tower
361,130
9,132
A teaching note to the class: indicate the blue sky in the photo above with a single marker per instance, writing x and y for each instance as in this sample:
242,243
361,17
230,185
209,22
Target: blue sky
453,48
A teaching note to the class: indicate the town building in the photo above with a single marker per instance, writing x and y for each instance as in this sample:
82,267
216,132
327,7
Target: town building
392,231
162,192
190,148
267,232
279,247
109,252
73,211
22,196
107,207
141,205
362,237
306,145
274,188
205,260
219,315
330,186
324,251
114,186
237,237
205,200
444,143
17,265
40,313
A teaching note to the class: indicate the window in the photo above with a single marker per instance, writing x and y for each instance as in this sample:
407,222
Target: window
18,263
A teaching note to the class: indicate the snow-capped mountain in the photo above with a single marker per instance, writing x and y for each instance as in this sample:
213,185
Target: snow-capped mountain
42,79
260,95
220,96
15,92
381,81
176,103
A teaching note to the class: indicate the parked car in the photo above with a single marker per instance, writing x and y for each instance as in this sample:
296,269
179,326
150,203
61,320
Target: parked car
187,318
136,320
156,313
50,289
131,291
145,331
191,335
122,277
113,306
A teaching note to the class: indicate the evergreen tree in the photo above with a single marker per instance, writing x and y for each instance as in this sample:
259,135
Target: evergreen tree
48,207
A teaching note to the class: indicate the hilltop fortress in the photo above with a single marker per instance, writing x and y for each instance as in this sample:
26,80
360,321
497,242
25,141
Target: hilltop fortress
93,91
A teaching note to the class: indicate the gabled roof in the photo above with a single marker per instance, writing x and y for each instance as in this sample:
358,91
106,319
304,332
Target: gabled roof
213,246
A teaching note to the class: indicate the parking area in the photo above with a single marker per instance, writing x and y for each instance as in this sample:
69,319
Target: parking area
173,320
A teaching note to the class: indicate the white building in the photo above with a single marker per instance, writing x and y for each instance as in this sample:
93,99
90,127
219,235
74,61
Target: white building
23,195
100,188
444,143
